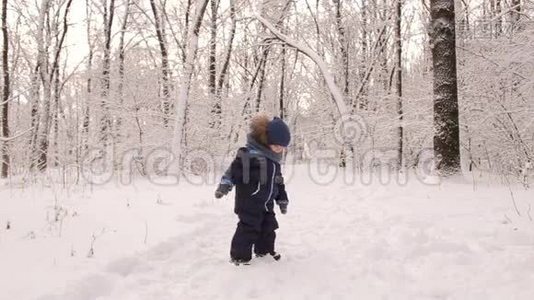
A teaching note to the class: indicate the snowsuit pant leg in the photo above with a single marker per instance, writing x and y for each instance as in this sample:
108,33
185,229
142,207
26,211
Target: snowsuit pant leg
247,233
265,242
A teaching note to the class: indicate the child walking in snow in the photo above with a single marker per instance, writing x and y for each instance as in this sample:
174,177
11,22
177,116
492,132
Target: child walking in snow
256,173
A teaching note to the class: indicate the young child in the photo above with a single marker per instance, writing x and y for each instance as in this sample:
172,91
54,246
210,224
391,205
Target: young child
256,173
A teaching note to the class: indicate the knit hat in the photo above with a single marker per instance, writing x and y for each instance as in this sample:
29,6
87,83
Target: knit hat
278,132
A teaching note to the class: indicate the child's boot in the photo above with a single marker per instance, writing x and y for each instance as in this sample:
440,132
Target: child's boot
275,255
238,261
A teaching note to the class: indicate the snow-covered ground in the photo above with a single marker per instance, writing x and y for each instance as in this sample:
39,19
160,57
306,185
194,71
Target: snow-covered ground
338,241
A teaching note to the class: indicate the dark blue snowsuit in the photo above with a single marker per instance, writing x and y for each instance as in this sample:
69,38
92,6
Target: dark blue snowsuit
256,174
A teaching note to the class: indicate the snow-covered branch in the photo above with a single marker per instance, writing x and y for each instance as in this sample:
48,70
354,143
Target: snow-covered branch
489,60
185,80
507,11
8,100
4,139
329,78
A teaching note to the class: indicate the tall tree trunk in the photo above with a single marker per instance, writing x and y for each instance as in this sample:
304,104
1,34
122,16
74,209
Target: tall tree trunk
398,69
498,22
89,88
185,81
516,15
4,108
343,47
282,84
186,25
55,116
42,57
383,42
212,66
217,109
105,121
165,72
467,27
261,83
54,77
48,78
122,51
362,102
446,124
266,48
34,116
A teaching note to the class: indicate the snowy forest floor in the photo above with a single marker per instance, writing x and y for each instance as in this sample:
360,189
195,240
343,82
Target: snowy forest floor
338,241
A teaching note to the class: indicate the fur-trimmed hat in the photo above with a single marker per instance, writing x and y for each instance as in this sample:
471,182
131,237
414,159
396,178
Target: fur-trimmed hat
270,132
258,128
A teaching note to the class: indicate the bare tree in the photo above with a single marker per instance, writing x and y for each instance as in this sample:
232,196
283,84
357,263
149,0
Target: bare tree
231,66
217,109
165,71
281,96
446,123
212,64
55,76
398,68
89,88
122,54
343,46
185,80
334,89
42,65
344,49
362,102
498,21
4,105
105,120
49,76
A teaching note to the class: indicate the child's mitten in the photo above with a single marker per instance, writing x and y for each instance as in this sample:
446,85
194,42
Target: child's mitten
283,205
222,190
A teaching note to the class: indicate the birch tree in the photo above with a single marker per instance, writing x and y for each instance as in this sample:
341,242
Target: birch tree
4,105
42,66
185,80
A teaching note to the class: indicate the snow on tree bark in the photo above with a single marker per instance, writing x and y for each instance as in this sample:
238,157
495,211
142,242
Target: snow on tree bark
217,109
42,57
4,107
165,72
185,82
105,120
446,124
398,69
89,90
122,57
212,67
